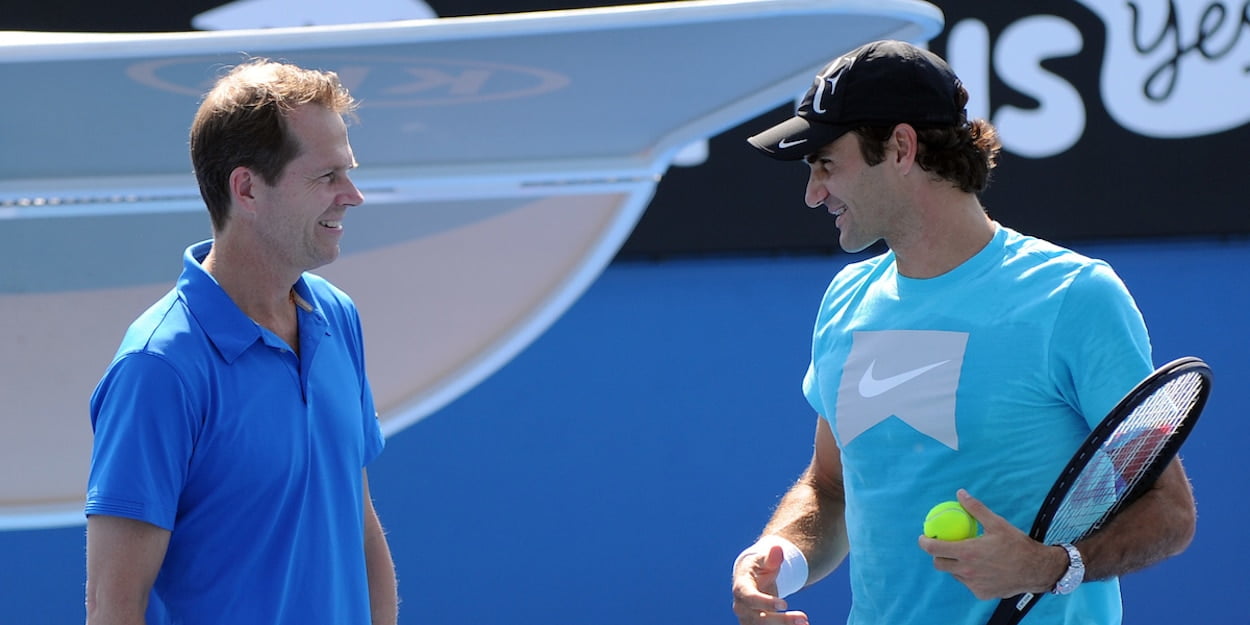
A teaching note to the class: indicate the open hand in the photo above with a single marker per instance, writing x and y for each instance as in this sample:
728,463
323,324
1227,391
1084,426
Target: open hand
755,591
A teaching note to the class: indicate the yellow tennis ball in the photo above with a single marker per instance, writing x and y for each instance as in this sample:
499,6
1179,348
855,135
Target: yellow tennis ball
949,521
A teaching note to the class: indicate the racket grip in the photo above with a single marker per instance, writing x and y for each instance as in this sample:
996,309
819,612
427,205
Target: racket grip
1011,611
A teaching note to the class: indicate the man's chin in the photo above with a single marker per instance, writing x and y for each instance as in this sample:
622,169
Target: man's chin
853,247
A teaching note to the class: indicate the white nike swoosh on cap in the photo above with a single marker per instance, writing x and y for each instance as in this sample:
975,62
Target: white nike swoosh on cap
870,386
786,143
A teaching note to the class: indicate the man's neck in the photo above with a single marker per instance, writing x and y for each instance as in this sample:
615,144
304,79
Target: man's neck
949,234
253,285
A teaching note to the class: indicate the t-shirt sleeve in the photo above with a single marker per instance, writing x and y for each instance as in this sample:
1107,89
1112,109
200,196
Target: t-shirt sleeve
145,430
1102,345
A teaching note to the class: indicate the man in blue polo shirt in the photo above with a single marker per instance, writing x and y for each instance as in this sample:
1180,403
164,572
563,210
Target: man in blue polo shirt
233,427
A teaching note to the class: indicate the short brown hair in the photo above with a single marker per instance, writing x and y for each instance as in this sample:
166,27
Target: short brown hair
963,154
242,123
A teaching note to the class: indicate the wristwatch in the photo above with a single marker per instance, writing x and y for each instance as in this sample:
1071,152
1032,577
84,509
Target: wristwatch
1075,573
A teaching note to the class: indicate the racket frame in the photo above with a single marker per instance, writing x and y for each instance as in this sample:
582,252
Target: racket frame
1011,610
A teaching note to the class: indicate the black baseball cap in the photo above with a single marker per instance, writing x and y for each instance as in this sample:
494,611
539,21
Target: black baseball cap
878,84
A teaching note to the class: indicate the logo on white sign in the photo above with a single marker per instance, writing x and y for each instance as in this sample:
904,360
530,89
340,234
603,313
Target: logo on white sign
1175,69
1171,69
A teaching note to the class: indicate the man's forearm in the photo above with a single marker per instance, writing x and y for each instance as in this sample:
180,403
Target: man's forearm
383,588
1157,526
812,517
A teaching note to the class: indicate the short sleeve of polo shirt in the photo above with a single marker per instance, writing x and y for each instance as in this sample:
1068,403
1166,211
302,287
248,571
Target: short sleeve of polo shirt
145,431
375,441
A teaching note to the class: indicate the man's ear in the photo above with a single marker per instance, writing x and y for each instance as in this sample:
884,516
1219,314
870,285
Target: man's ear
244,184
906,146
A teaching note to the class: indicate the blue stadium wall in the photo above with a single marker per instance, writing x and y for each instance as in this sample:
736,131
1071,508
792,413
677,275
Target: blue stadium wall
611,472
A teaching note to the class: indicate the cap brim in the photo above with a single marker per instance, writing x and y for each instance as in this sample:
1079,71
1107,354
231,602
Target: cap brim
795,138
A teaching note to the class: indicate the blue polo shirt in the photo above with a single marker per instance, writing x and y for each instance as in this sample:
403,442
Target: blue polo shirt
208,425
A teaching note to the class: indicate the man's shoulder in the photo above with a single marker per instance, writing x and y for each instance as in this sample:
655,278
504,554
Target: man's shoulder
1037,249
1039,258
165,337
163,321
1049,268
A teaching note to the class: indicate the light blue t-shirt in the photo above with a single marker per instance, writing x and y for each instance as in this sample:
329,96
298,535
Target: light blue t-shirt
986,378
208,425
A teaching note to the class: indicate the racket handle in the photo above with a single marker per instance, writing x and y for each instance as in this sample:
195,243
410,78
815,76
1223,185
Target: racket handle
1010,611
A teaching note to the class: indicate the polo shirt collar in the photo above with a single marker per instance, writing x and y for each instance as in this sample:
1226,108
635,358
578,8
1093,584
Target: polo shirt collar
231,331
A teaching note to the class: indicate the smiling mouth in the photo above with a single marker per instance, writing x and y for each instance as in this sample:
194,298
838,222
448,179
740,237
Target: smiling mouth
837,212
333,225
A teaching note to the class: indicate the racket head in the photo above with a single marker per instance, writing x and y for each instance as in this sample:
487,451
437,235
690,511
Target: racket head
1124,455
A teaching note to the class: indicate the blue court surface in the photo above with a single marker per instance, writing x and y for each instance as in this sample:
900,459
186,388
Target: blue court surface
610,473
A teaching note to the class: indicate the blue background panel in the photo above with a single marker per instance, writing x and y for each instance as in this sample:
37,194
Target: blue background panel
611,472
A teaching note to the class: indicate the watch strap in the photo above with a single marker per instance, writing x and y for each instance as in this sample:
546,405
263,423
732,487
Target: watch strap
1075,573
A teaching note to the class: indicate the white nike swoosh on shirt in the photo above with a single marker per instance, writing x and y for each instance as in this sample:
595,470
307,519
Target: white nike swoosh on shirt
786,143
870,386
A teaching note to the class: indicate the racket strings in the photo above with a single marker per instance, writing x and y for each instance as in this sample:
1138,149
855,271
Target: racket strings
1124,458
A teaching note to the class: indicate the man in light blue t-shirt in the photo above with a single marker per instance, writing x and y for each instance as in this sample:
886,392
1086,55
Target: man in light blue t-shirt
969,361
234,425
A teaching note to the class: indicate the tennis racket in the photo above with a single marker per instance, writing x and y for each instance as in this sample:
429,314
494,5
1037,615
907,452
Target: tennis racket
1118,462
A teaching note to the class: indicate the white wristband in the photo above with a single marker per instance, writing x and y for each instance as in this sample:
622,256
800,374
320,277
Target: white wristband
792,576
